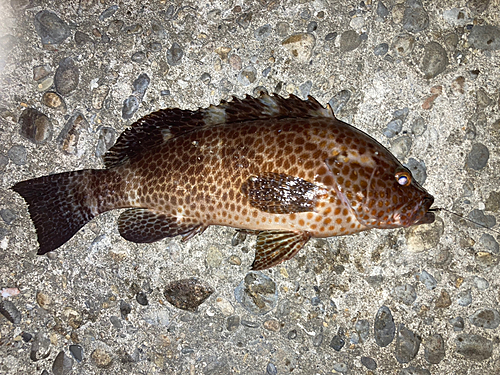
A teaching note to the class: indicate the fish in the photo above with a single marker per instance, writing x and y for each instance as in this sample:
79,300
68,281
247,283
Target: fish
285,169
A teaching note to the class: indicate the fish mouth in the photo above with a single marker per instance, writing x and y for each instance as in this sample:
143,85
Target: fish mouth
426,213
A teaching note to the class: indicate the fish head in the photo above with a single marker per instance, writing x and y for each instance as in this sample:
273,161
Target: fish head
378,189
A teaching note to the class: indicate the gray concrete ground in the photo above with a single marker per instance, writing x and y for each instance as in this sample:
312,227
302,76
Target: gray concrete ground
420,77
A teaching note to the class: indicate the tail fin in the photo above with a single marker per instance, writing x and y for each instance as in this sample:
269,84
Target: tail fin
58,205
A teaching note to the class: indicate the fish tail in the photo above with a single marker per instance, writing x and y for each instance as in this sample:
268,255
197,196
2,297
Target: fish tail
60,204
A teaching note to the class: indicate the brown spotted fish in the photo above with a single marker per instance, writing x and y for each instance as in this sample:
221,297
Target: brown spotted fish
284,168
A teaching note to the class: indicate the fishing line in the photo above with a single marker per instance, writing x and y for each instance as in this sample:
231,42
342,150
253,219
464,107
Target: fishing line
436,209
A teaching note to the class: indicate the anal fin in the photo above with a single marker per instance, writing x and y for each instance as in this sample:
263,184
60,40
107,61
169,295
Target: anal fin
274,247
144,226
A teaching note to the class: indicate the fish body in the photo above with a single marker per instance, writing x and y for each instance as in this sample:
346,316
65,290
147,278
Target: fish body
285,168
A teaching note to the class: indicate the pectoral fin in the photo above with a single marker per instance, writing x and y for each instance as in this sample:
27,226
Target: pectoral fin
274,247
278,193
141,225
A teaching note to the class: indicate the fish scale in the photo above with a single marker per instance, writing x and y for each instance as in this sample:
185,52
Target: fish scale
285,168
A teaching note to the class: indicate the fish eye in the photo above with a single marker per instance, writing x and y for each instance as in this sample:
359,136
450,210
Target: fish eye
403,178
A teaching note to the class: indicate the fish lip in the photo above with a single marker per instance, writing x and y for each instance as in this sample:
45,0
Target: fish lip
428,216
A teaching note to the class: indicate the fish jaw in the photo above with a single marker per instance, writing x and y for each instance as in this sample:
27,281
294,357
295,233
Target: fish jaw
422,214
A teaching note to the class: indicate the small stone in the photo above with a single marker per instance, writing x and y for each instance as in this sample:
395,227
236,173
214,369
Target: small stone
174,54
418,126
478,157
282,29
444,300
478,216
405,294
138,57
35,126
263,32
66,77
257,293
403,44
10,311
362,328
474,347
292,334
187,294
357,23
232,323
481,283
69,136
205,78
349,41
101,358
340,367
244,20
7,215
107,138
140,85
272,325
26,336
455,17
271,369
485,37
407,344
235,62
18,154
337,343
62,364
381,49
401,146
224,306
369,363
142,298
116,322
109,12
434,349
43,300
427,279
234,260
434,60
53,100
485,318
125,309
457,323
415,18
464,297
305,89
248,75
45,84
40,72
331,36
412,370
133,29
488,242
51,29
249,324
312,27
77,352
384,327
82,38
425,237
417,169
130,106
318,340
72,317
300,46
339,100
4,161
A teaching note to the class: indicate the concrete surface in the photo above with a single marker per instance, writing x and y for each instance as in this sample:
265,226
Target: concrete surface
430,93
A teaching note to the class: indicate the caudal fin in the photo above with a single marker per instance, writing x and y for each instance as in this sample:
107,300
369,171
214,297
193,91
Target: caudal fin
58,205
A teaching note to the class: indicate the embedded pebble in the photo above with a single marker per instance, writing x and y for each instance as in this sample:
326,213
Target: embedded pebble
234,260
312,26
382,11
82,38
357,23
51,29
214,257
40,348
417,169
45,84
407,344
17,154
444,300
478,157
272,325
384,327
224,306
405,294
412,370
425,237
263,32
483,220
140,85
235,62
187,294
4,160
318,340
434,60
292,334
485,37
244,20
248,75
40,72
62,364
238,238
464,297
174,54
340,367
300,46
485,318
393,127
142,298
125,309
257,293
337,343
427,279
232,323
53,100
109,12
381,49
331,36
415,17
138,57
44,300
457,323
99,95
7,215
455,17
77,352
362,327
305,88
67,76
369,363
10,311
249,324
482,97
403,44
282,29
130,106
434,349
116,322
107,137
349,41
418,126
271,369
474,347
457,86
481,283
69,136
35,126
339,100
401,146
101,358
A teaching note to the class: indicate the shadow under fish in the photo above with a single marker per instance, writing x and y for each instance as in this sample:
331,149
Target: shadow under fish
285,168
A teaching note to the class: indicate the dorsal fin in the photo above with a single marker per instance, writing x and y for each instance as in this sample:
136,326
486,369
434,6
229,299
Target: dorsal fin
158,127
